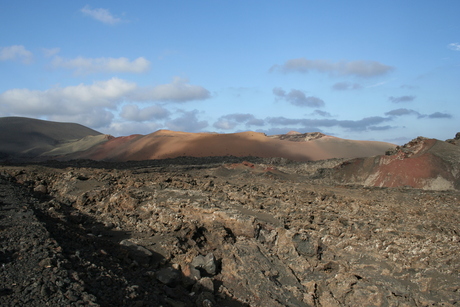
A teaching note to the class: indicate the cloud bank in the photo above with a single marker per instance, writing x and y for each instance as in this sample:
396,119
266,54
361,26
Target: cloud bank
94,104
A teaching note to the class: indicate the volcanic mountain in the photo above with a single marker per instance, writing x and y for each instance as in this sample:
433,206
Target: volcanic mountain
422,163
31,138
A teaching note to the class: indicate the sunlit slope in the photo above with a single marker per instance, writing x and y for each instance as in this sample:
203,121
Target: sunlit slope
169,144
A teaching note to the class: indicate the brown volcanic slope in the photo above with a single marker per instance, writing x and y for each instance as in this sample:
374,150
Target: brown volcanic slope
20,136
169,144
422,163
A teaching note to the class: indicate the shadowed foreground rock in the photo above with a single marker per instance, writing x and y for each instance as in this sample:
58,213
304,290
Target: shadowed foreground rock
217,234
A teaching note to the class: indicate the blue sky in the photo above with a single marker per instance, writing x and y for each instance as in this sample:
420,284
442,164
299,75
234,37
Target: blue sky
367,70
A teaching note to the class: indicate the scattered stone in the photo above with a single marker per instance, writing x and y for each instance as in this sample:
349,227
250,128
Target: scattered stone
206,263
168,276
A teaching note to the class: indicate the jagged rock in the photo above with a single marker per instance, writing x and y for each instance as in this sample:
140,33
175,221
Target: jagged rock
168,276
137,252
206,263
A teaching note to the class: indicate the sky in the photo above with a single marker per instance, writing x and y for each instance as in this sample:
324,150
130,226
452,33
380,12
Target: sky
364,70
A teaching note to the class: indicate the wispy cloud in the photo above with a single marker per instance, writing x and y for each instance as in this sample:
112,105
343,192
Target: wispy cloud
16,53
401,99
298,98
367,123
401,112
440,115
49,52
230,121
322,113
408,86
454,46
345,86
379,84
100,14
84,66
359,68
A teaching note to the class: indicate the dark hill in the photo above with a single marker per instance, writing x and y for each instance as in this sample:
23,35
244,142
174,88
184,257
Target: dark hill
20,136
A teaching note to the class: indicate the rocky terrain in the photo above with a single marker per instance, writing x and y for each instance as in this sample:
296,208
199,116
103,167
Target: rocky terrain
221,232
240,219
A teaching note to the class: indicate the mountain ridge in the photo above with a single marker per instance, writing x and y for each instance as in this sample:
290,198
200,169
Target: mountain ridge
41,140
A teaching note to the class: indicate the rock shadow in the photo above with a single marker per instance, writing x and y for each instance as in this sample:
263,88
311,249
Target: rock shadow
116,271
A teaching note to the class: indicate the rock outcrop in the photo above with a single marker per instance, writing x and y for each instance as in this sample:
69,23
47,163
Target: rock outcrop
422,163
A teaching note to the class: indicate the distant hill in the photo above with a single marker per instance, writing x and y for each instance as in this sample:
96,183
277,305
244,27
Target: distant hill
169,144
20,136
38,139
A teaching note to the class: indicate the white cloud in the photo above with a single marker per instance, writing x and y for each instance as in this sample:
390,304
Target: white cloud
94,118
96,105
358,68
49,52
16,52
225,124
132,112
79,99
187,122
70,100
118,128
177,91
230,121
455,46
100,14
88,65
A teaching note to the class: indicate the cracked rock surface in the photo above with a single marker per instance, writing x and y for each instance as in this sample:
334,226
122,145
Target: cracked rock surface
210,233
